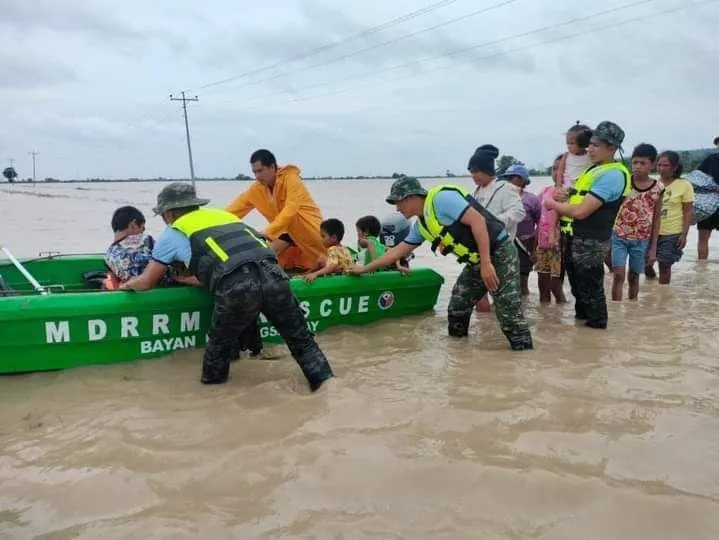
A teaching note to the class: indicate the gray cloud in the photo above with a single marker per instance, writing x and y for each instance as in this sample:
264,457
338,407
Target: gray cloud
31,72
108,113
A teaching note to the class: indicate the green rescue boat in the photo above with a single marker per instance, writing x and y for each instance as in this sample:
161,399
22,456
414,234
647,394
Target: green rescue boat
63,320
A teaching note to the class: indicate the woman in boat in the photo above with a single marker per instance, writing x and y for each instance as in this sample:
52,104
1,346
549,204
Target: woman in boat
280,195
449,217
240,269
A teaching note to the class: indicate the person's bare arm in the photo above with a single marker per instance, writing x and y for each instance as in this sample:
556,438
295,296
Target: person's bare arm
478,225
389,257
586,208
688,214
149,278
656,225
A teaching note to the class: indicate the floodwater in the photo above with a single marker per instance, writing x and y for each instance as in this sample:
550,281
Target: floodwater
593,435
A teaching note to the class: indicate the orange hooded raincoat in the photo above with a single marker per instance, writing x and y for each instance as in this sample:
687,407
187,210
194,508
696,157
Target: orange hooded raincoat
288,208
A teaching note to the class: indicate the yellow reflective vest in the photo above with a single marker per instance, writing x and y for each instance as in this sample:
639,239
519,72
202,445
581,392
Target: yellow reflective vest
457,238
220,243
599,224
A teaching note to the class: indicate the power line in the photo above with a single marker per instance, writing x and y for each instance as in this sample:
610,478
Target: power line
458,51
379,45
334,44
187,131
502,53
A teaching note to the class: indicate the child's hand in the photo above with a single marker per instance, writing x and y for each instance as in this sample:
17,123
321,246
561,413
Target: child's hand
310,277
355,270
560,195
651,256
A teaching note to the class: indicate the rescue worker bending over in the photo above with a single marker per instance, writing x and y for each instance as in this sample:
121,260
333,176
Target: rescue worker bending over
451,219
237,265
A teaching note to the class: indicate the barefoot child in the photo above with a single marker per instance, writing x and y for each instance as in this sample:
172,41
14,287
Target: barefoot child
549,254
637,225
338,259
677,213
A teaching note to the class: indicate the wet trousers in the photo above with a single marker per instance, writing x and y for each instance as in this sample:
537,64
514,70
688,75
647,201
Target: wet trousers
584,260
254,288
469,288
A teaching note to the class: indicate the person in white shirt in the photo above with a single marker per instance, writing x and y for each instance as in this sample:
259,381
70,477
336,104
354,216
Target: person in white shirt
501,199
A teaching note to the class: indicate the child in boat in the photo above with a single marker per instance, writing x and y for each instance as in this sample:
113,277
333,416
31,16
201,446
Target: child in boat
339,258
368,231
131,249
549,253
636,227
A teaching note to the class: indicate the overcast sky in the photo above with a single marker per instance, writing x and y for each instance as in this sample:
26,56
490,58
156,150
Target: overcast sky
87,82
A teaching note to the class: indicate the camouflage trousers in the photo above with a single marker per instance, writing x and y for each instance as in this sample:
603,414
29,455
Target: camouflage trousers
469,288
584,259
254,288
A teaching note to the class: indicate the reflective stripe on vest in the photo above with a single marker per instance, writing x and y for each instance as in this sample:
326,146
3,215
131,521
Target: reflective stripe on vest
220,243
433,231
584,185
204,218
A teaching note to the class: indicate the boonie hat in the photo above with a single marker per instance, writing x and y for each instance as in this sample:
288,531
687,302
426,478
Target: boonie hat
177,195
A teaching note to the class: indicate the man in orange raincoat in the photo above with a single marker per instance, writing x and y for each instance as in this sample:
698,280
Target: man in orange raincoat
280,195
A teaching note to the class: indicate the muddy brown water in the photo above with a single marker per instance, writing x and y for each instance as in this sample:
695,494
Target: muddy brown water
593,435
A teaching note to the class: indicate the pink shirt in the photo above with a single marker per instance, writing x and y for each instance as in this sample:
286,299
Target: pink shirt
548,228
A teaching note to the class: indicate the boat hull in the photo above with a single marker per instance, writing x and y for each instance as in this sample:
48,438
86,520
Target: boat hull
77,327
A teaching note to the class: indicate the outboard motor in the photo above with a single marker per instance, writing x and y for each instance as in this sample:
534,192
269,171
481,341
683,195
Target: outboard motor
395,228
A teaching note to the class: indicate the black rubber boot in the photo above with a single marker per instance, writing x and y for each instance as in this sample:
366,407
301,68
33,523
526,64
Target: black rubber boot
457,326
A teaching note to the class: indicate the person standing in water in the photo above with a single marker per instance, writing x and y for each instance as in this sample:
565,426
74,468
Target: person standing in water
500,198
548,253
636,228
240,269
526,239
587,218
453,220
676,217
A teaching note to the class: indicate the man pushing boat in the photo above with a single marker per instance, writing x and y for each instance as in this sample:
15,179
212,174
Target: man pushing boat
452,220
280,195
239,267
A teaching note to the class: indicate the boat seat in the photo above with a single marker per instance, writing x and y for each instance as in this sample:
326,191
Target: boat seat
94,279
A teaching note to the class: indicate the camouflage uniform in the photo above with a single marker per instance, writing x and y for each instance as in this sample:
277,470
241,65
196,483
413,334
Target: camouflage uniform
239,299
469,288
584,257
243,292
585,269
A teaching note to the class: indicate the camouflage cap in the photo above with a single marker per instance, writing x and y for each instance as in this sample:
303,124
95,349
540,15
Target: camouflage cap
177,195
610,133
404,187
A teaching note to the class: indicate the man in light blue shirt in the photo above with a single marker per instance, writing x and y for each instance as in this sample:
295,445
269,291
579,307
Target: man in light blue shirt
456,223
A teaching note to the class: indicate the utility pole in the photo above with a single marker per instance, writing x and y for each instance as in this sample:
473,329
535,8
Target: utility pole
11,161
33,154
187,131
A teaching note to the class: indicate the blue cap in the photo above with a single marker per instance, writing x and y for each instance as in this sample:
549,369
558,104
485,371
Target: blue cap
517,170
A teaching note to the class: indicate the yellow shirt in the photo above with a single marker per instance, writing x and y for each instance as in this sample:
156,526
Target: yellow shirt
675,195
